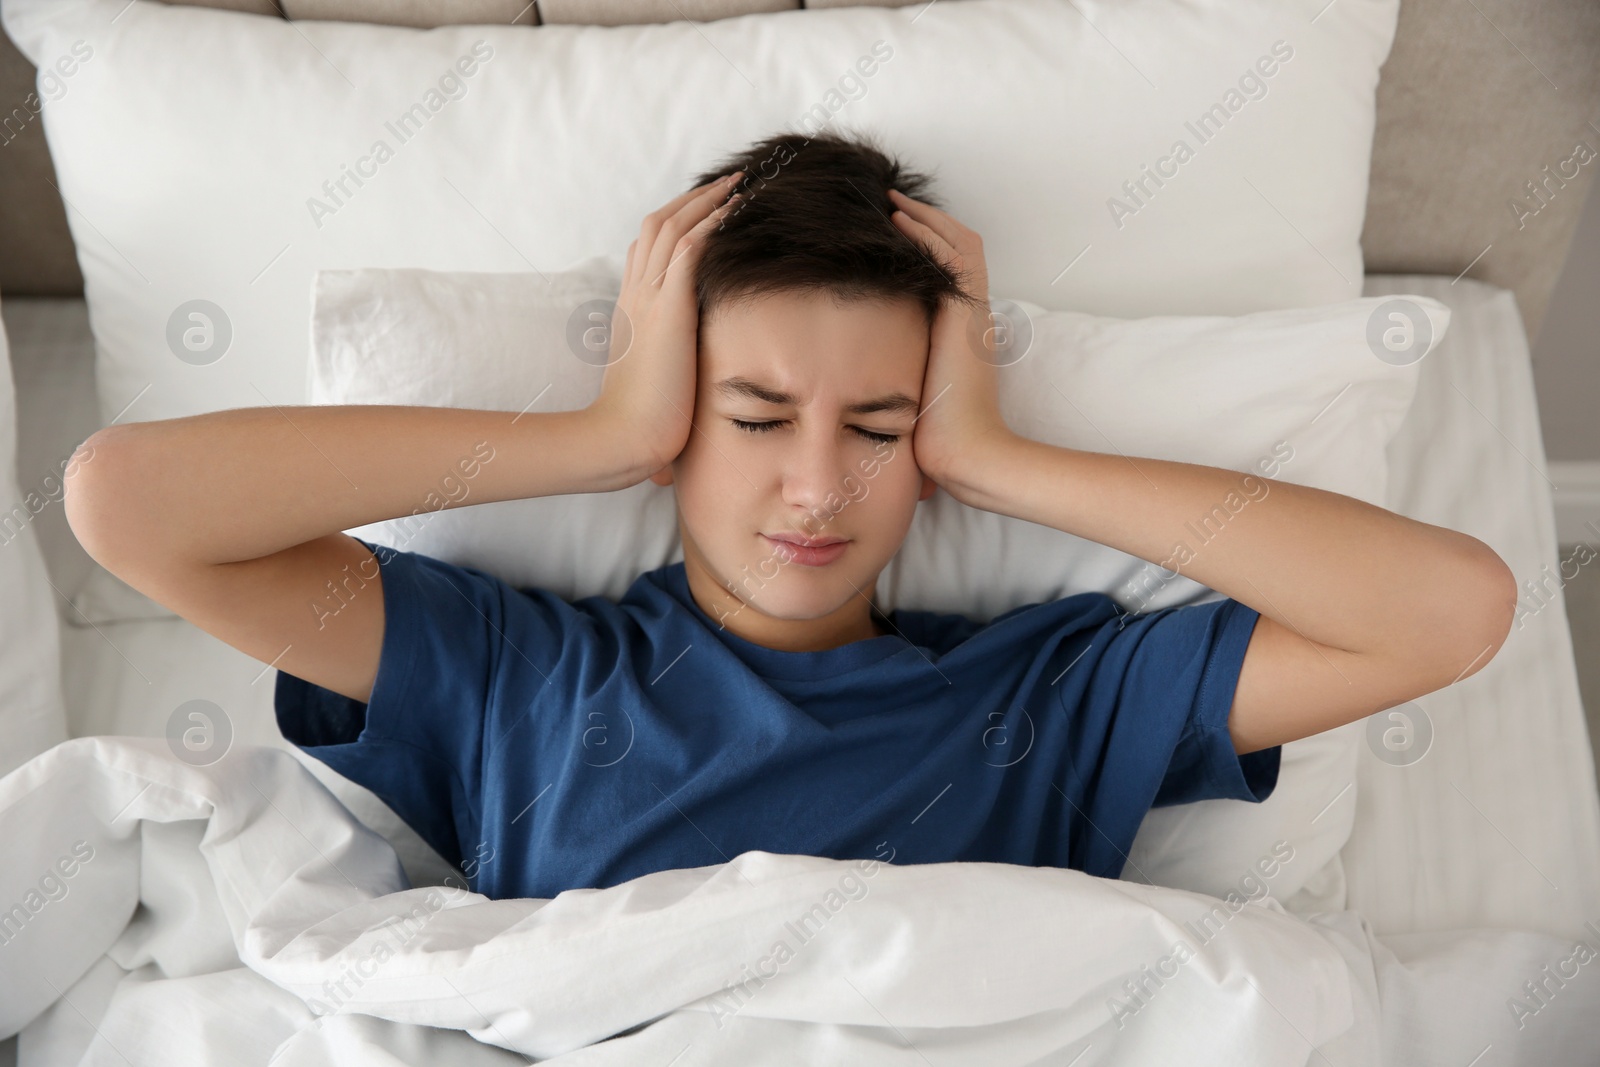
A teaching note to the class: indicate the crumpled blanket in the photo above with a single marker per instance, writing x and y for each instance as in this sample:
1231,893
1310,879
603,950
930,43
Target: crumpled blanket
159,912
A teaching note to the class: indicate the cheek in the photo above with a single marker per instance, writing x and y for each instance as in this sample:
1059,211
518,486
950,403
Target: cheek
711,492
854,490
880,491
890,468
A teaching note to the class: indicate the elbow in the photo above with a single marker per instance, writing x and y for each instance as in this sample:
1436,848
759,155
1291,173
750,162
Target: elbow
88,486
1489,602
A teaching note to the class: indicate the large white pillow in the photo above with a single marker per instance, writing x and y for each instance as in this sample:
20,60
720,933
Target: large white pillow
32,716
1311,396
194,146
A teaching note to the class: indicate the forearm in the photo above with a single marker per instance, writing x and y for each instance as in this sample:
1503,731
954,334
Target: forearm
245,483
1332,568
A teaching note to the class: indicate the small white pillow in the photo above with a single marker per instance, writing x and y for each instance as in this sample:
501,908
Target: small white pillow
1299,395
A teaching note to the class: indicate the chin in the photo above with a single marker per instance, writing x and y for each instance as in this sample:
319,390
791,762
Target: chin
795,591
792,608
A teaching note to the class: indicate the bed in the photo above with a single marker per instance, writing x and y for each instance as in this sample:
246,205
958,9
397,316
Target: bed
1467,888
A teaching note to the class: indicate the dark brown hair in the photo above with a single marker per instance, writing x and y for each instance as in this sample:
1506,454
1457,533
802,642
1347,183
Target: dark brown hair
815,218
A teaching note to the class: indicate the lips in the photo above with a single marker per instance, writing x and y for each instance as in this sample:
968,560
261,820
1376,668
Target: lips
809,552
807,542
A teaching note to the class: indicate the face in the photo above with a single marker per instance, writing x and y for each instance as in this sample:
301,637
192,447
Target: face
803,419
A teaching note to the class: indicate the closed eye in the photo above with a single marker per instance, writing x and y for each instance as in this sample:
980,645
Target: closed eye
763,427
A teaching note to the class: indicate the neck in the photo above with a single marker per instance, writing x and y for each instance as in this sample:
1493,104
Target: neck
855,620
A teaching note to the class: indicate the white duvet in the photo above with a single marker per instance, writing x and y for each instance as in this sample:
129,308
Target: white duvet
161,913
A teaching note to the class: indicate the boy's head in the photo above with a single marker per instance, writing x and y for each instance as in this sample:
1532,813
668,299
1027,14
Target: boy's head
815,312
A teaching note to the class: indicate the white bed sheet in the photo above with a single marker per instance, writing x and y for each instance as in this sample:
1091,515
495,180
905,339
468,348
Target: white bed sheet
1498,825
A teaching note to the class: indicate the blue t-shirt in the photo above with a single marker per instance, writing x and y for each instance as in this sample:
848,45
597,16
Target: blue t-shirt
558,744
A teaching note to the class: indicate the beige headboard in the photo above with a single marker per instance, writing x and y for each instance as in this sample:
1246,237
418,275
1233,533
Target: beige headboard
1480,103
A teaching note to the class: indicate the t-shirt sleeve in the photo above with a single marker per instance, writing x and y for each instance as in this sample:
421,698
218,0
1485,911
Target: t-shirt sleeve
1150,723
418,743
1210,651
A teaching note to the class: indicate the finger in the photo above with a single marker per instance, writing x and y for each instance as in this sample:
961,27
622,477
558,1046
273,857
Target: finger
653,222
627,266
693,211
691,214
679,269
940,222
928,239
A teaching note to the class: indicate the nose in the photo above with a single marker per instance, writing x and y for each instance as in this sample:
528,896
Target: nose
814,473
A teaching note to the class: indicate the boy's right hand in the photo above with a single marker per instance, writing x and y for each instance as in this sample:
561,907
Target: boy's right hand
647,394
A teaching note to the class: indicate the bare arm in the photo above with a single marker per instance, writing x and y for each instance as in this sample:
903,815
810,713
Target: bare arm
1361,609
241,484
232,519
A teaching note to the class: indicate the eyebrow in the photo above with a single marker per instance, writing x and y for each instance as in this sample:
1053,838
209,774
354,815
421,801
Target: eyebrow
745,388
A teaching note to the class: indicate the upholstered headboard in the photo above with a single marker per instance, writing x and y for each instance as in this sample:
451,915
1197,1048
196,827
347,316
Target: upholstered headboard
1485,147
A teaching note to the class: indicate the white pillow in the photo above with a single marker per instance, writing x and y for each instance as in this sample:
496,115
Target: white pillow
1299,395
194,144
32,716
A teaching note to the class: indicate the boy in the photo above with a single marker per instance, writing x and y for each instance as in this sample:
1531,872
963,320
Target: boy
825,325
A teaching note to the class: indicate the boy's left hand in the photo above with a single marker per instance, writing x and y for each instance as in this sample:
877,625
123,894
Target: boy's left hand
961,390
